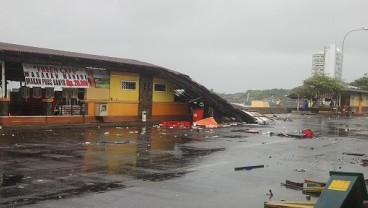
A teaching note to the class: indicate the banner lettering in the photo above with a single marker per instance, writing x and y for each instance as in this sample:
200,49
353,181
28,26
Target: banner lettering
37,75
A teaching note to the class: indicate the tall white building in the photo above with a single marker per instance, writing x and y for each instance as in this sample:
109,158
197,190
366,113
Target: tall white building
328,61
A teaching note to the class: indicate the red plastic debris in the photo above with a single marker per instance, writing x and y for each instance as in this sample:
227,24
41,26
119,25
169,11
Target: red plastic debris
207,122
176,124
308,133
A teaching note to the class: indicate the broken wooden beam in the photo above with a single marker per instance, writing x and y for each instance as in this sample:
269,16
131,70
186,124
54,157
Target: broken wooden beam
248,167
353,154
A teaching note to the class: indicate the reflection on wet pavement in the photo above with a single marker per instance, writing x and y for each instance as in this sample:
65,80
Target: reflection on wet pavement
37,165
51,164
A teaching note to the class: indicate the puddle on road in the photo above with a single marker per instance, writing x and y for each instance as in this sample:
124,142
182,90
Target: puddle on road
54,195
66,163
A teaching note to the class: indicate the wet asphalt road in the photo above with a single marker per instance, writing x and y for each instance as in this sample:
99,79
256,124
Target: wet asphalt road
146,166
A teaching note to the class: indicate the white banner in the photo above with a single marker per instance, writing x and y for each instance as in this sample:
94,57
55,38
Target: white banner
37,75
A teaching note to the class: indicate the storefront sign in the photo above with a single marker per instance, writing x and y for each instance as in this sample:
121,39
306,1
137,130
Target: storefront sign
36,75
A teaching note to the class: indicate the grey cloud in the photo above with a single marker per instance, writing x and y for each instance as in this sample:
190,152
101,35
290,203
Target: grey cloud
228,46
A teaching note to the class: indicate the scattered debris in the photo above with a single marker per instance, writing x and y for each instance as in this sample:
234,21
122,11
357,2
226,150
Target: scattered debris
248,167
270,194
300,170
114,142
313,191
296,135
312,183
293,185
306,147
303,134
252,131
353,154
278,134
308,133
238,130
175,124
278,204
232,136
347,128
260,119
364,162
209,122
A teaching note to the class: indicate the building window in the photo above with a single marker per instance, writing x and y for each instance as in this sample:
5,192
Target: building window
128,85
49,92
160,87
37,92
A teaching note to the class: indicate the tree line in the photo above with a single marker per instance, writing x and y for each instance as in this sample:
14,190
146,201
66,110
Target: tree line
312,88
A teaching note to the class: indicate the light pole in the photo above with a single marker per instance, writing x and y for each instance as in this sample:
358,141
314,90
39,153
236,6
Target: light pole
343,43
342,53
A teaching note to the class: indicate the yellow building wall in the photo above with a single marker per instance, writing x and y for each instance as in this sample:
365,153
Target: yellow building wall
91,109
170,109
354,100
167,96
116,91
126,102
365,100
116,108
122,109
97,94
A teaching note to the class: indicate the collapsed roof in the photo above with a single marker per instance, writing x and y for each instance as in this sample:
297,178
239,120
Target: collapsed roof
20,54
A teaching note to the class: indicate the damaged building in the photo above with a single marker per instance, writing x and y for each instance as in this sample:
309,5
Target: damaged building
45,86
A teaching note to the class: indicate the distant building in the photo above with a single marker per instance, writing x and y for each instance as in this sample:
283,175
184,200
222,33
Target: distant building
328,62
260,104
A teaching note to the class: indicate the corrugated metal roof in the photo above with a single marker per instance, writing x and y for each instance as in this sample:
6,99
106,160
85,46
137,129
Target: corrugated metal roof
45,51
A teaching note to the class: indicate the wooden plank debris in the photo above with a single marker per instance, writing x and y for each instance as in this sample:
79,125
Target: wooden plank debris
353,154
313,191
248,167
288,204
293,185
312,183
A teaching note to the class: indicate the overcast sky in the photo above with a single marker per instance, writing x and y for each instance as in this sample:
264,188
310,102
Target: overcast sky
229,46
